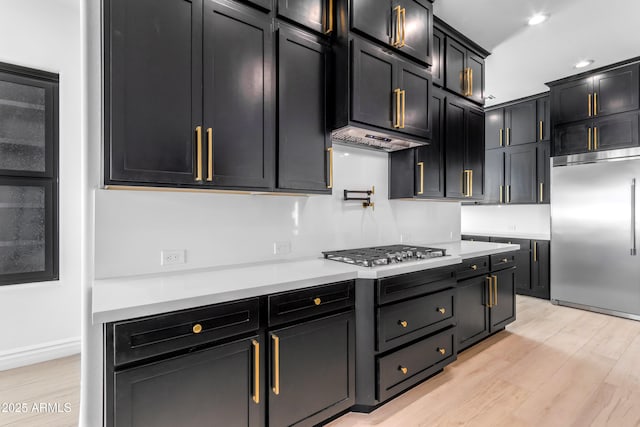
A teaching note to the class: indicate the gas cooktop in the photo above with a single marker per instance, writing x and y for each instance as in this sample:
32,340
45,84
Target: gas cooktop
384,255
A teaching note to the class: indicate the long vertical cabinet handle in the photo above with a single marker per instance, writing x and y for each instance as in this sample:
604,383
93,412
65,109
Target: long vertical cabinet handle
329,21
495,290
595,103
396,38
540,130
535,251
490,299
403,97
541,192
256,371
209,155
501,140
595,138
589,140
330,151
199,153
589,105
501,194
276,365
421,166
403,12
634,250
470,182
396,124
470,81
508,136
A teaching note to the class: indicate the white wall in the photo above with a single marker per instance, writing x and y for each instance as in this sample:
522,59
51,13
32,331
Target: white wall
132,227
39,321
511,220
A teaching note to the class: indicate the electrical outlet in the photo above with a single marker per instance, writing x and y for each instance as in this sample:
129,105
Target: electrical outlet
282,248
172,257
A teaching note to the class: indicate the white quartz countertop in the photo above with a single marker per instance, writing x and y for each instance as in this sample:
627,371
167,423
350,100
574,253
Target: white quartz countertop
130,297
515,234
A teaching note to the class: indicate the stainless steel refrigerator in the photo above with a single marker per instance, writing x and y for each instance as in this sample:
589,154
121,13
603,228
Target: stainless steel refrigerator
594,221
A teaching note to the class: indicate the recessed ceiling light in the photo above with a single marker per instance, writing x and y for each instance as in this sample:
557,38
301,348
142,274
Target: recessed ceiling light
584,63
538,18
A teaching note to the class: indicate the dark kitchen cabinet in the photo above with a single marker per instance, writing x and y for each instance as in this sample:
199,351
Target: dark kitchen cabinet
153,54
494,129
540,270
503,307
572,138
520,123
437,58
494,178
473,320
464,137
522,259
520,174
312,370
238,96
313,14
171,392
544,171
406,25
464,71
388,92
303,137
603,92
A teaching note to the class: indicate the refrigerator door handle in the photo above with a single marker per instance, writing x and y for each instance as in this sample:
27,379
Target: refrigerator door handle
634,251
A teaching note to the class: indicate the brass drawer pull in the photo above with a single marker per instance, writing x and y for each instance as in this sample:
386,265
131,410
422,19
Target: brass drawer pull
474,267
330,151
276,364
505,260
317,301
209,155
198,153
398,92
329,18
421,166
403,323
442,350
540,130
256,371
495,290
197,328
442,310
397,38
403,370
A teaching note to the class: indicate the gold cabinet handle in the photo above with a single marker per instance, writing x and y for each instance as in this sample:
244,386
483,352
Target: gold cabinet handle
397,41
589,141
197,328
535,251
505,260
490,299
508,137
589,105
421,166
330,151
540,130
317,301
256,371
276,365
471,183
541,192
210,154
403,323
595,103
199,153
442,310
470,81
329,29
396,124
403,97
403,370
495,291
595,138
501,132
403,12
442,351
474,267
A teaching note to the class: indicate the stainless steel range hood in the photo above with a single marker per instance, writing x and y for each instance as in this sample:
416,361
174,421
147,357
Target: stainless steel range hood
377,140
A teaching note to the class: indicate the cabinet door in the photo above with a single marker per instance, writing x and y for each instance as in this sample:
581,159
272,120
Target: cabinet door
153,90
520,123
572,101
523,268
418,27
373,19
192,390
540,269
503,310
437,57
28,215
28,115
544,171
302,112
310,13
521,174
476,64
473,318
544,118
373,83
619,131
238,96
455,63
617,91
403,179
494,176
314,359
416,84
455,148
432,155
571,139
494,128
475,152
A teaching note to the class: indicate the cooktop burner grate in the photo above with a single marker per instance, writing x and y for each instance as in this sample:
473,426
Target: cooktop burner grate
384,255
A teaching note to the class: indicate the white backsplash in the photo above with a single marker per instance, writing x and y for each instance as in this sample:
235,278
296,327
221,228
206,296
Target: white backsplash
133,227
514,219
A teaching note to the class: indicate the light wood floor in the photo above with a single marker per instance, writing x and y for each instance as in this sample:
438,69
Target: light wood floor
554,366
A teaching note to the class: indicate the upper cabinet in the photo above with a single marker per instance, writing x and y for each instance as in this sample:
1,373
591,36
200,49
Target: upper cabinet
405,25
597,110
512,125
437,58
317,15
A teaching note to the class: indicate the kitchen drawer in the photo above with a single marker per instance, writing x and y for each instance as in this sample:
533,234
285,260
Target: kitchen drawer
310,302
474,238
472,267
525,244
139,339
406,321
409,285
410,365
502,261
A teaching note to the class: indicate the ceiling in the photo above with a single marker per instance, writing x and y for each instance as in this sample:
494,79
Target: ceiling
524,58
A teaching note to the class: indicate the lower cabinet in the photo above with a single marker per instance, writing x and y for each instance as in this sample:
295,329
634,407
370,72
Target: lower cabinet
312,371
503,306
473,322
220,383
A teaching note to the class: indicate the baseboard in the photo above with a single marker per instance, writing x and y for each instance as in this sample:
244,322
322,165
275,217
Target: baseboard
29,355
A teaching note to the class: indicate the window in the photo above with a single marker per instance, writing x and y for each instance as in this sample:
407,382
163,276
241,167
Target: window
28,175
